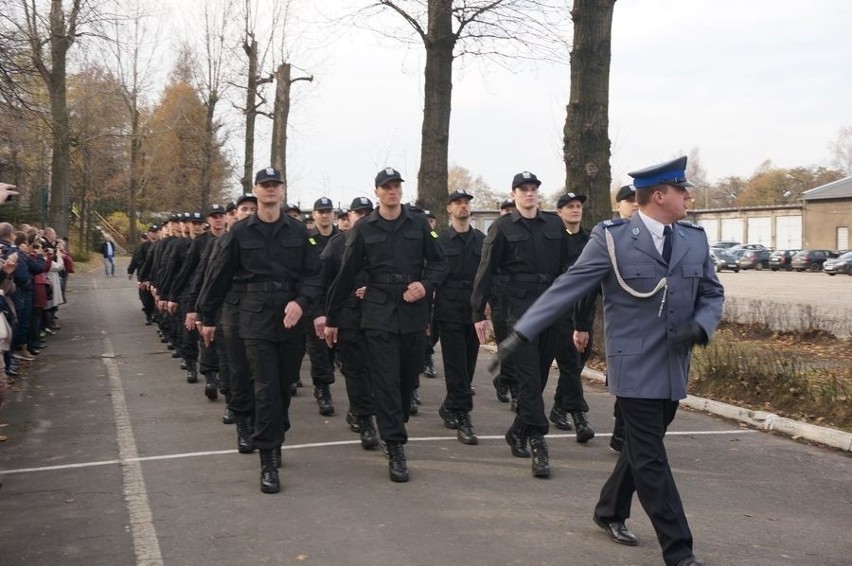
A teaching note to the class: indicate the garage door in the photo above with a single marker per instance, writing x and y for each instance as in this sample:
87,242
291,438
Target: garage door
788,233
732,229
760,231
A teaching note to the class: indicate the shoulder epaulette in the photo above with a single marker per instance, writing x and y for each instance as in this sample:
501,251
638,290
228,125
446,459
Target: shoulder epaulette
613,222
689,224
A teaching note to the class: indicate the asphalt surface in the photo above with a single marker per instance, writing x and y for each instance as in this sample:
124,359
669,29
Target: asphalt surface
112,458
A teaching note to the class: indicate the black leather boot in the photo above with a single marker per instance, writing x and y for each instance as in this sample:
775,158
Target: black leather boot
415,402
323,396
245,445
183,364
540,457
276,458
369,438
449,417
429,368
501,389
584,430
191,371
228,417
211,390
559,417
353,422
517,441
268,472
397,466
465,433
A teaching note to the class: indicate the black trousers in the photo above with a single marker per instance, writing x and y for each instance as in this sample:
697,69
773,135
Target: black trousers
273,365
395,362
569,388
322,359
532,366
189,338
224,378
643,467
459,348
241,386
501,332
354,364
147,302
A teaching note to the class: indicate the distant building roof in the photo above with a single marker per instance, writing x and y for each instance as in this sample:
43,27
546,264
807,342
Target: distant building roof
838,189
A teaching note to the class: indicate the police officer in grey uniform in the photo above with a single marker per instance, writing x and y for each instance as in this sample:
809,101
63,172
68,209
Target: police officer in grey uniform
661,297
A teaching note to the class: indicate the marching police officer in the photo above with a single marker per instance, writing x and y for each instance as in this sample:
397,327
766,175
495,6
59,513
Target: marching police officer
351,347
505,383
569,398
322,357
661,297
530,247
462,246
403,260
268,260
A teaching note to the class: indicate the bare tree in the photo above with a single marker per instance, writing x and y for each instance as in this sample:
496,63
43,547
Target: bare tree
283,81
58,30
842,150
586,147
497,29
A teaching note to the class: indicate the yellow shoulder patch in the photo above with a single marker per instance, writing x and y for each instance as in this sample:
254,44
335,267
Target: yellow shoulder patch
434,234
312,241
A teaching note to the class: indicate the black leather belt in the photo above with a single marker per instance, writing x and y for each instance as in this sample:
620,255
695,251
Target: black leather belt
393,278
458,284
264,286
542,278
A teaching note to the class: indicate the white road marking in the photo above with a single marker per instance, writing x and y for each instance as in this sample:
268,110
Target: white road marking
146,546
136,459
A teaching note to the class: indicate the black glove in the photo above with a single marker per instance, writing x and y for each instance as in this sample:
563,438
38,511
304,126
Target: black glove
688,336
507,349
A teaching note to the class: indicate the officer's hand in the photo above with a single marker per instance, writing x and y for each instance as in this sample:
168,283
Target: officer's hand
688,336
414,292
208,333
481,330
360,292
506,350
581,340
292,314
6,191
331,336
488,310
190,320
172,307
319,327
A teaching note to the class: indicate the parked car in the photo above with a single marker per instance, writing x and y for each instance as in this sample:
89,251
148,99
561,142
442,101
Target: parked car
811,260
749,247
754,259
842,264
724,244
780,259
727,260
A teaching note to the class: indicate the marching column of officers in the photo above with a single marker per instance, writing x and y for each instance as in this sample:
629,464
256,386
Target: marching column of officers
242,303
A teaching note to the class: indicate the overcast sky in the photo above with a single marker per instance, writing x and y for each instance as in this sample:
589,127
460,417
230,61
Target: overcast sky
741,81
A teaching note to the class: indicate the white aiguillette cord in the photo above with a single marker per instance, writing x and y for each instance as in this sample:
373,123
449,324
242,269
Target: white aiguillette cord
663,283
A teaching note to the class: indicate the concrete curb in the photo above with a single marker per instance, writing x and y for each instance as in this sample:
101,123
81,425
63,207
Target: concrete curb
762,420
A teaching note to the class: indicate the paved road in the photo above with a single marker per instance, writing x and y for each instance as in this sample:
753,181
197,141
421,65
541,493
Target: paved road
113,459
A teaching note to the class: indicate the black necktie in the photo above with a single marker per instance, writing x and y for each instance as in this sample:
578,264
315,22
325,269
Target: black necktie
667,243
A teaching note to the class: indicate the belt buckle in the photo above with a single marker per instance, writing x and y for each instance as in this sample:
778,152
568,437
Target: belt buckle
395,278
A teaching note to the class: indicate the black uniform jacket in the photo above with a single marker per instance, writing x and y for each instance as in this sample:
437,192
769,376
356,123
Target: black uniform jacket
267,265
531,253
452,300
393,254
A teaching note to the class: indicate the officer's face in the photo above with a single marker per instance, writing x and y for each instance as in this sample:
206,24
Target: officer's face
459,209
246,209
343,223
293,214
675,203
217,221
323,218
197,228
526,196
356,215
572,213
390,194
269,192
627,207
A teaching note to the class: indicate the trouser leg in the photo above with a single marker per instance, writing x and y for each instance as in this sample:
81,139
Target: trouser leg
459,361
352,349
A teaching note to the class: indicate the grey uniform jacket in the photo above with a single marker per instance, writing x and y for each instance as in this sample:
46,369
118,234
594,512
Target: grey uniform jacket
641,362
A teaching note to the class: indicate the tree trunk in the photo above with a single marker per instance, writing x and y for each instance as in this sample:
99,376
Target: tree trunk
207,149
250,47
135,145
61,160
438,88
281,114
586,148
